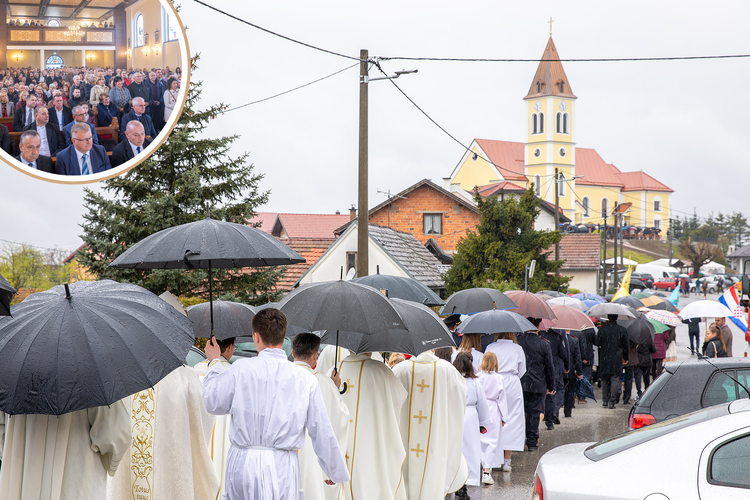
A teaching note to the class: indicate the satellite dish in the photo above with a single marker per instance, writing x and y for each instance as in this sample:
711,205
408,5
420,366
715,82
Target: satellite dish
350,274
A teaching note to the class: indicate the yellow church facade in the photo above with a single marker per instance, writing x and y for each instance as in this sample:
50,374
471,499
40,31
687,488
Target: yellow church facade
589,187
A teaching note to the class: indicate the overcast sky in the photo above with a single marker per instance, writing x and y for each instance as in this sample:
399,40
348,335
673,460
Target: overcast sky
684,122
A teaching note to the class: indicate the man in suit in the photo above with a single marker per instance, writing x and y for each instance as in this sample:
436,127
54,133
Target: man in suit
133,145
29,157
139,89
25,115
59,114
83,157
80,115
52,139
138,113
156,106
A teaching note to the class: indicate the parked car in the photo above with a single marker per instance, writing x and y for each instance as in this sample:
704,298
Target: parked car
701,455
194,356
689,386
711,285
638,281
244,348
667,284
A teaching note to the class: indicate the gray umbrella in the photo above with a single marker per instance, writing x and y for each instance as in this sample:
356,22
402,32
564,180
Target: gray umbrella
398,287
495,321
604,310
474,300
231,319
426,332
640,330
6,295
207,244
86,345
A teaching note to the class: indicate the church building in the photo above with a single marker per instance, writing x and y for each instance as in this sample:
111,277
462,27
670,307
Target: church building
589,187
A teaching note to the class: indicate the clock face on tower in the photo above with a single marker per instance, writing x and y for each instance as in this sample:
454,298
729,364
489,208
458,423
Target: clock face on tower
563,105
537,106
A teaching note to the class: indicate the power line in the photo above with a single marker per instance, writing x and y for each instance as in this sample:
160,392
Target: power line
291,90
276,34
599,59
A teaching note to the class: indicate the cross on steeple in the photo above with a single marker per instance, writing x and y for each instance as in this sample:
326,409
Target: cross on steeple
550,25
422,386
417,450
420,416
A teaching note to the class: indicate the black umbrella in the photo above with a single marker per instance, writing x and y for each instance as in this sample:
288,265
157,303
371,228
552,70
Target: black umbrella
233,319
86,345
495,321
640,330
628,301
6,295
426,332
474,300
207,244
553,293
398,287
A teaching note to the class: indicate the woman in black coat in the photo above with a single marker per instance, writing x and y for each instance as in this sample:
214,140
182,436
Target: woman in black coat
106,111
713,346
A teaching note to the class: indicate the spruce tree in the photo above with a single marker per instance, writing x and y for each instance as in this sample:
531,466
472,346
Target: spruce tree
504,242
188,177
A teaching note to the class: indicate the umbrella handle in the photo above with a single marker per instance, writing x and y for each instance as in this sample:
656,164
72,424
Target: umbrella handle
344,389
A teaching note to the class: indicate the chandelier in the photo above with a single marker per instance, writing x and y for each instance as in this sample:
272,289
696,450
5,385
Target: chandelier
74,34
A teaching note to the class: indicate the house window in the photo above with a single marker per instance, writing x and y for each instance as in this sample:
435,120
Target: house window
433,224
171,27
586,207
657,223
538,185
138,30
657,205
351,260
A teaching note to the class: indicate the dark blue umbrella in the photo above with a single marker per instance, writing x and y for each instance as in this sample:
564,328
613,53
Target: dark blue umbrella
6,295
86,345
584,389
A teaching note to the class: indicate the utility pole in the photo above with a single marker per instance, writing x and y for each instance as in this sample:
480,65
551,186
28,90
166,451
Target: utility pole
363,260
670,235
615,276
604,258
622,239
557,215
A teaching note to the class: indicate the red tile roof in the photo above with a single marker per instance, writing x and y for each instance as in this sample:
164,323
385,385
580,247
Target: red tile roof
312,225
595,171
496,187
267,220
641,181
309,248
580,251
550,74
508,156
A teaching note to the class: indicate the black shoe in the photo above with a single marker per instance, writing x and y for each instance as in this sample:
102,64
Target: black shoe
611,406
555,420
462,493
550,427
532,447
568,416
626,401
604,404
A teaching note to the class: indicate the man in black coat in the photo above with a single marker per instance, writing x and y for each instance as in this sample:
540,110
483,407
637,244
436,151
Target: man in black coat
5,139
133,145
538,381
560,357
25,115
694,333
52,140
29,157
60,112
612,340
574,373
138,113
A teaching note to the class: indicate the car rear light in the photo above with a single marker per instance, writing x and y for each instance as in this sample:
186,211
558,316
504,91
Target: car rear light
638,420
538,490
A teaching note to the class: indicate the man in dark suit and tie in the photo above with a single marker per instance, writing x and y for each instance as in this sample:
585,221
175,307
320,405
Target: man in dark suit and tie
52,139
59,115
133,145
25,115
29,157
138,114
80,115
83,157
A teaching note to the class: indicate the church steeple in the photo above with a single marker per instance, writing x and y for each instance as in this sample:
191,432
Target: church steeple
550,79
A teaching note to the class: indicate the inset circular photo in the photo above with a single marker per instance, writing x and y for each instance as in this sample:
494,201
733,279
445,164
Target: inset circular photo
89,88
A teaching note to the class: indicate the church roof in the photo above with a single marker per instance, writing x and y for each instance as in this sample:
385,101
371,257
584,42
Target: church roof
496,187
596,171
549,75
508,156
641,181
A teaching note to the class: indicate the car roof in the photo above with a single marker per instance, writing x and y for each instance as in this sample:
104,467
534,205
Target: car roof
723,363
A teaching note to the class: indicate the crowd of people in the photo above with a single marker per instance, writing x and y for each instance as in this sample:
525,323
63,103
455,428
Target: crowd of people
46,105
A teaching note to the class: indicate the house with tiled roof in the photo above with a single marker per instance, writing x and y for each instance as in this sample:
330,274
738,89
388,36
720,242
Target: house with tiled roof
581,253
391,252
589,188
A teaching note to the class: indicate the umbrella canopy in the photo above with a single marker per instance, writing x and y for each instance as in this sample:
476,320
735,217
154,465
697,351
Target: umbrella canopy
90,347
531,305
584,389
589,296
495,321
6,295
705,309
426,332
552,293
664,317
628,301
640,330
590,303
659,303
232,319
568,301
399,287
604,310
474,300
659,327
570,318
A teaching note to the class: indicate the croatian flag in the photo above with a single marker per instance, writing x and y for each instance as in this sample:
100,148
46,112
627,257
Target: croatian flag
732,301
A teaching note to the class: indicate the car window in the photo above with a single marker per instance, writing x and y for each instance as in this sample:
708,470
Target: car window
728,464
720,389
621,442
744,378
193,358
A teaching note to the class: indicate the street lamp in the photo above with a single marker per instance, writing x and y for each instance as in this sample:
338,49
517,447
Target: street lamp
362,210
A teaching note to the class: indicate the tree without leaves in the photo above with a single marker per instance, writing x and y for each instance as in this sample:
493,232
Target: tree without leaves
700,253
188,175
504,243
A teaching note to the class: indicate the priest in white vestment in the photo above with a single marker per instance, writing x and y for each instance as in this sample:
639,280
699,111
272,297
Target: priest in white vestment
305,352
271,402
331,353
170,457
375,452
432,421
66,457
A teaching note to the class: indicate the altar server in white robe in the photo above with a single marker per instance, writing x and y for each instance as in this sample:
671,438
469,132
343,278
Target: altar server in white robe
511,365
305,352
66,457
432,422
272,402
219,445
471,343
492,383
375,452
477,414
330,353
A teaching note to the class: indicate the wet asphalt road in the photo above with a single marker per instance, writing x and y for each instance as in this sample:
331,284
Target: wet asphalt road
590,422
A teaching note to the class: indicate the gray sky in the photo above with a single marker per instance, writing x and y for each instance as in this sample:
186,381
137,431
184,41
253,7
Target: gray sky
684,122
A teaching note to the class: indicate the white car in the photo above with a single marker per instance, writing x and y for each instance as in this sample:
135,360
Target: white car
702,455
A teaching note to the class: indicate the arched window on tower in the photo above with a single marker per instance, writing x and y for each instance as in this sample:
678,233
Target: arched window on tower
538,185
586,206
138,30
558,123
533,123
565,123
541,123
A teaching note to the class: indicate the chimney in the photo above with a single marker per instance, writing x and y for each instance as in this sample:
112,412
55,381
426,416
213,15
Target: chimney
338,212
352,213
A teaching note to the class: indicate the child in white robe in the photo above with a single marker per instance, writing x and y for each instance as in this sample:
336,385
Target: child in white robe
494,390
